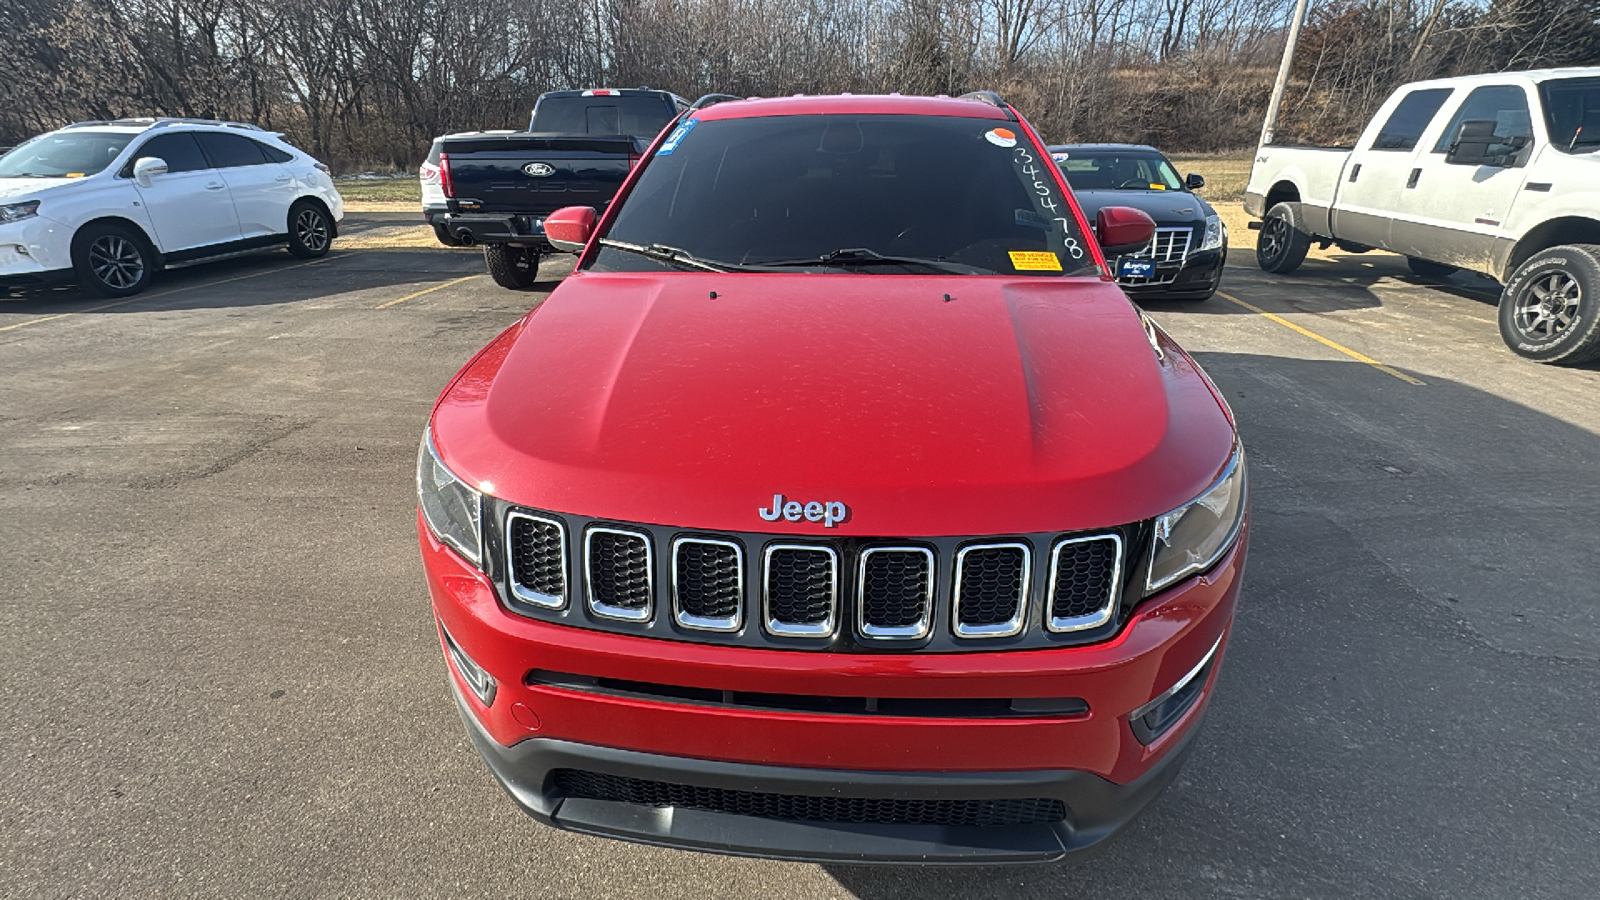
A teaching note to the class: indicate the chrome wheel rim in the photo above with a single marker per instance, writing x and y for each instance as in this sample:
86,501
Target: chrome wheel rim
311,230
1272,237
116,261
1548,309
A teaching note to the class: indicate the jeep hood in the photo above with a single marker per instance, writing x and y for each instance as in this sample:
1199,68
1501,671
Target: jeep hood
1012,406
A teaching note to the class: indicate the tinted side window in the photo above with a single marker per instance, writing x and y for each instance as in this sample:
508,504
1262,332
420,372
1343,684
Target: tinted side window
1410,119
179,151
272,153
230,150
1504,104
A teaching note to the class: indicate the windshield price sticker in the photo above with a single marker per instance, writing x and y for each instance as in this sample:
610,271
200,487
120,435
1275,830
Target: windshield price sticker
676,137
1001,137
1035,261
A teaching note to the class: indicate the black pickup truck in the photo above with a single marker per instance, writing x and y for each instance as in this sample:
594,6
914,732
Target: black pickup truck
495,187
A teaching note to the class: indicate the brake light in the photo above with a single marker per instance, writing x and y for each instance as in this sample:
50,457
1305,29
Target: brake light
602,93
445,183
633,161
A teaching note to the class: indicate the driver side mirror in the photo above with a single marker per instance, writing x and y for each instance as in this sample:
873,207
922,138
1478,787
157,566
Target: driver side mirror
569,228
1194,182
147,168
1123,229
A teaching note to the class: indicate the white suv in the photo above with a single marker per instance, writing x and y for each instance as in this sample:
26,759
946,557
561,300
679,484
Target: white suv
111,203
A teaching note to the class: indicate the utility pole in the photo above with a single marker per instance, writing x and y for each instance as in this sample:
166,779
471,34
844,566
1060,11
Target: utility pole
1283,72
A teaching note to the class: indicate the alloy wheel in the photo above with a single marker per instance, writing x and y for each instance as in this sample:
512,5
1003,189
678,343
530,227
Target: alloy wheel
1549,308
311,230
116,261
1273,237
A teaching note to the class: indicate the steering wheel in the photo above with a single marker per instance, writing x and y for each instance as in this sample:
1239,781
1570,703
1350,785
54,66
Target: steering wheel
1134,183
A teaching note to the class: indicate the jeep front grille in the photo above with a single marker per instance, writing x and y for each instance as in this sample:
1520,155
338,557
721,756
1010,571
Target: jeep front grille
619,573
537,559
707,583
1085,574
801,590
894,592
992,584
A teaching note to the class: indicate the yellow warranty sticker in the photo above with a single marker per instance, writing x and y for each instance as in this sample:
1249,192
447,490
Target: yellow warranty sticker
1158,187
1035,261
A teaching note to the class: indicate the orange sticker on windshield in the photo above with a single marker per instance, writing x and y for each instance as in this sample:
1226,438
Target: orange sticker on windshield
1158,187
1001,137
1035,261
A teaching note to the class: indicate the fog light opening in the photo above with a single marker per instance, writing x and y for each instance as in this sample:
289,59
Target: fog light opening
1157,717
481,683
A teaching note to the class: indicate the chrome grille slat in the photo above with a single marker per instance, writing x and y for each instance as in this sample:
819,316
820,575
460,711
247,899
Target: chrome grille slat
1085,582
992,584
536,559
707,583
620,573
800,590
894,593
1170,244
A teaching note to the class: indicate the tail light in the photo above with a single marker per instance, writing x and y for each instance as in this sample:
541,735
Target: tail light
429,173
323,167
445,181
633,161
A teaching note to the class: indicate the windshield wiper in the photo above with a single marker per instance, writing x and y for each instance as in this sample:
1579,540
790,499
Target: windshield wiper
861,256
663,253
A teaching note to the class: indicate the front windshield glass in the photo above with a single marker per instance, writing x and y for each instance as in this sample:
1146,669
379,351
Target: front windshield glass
1117,170
64,155
885,194
1572,113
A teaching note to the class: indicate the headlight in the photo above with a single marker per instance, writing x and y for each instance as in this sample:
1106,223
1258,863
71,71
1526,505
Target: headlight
1194,536
16,212
450,508
1215,232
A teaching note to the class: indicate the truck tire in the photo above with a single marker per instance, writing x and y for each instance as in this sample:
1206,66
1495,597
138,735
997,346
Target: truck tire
1550,309
512,267
444,235
113,260
1424,268
1282,246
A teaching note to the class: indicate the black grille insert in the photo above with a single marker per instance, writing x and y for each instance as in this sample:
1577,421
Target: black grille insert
619,573
708,583
577,783
1083,582
992,582
802,590
538,560
896,592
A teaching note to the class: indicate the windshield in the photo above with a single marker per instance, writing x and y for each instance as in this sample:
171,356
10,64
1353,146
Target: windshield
1572,113
64,155
886,194
638,116
1116,170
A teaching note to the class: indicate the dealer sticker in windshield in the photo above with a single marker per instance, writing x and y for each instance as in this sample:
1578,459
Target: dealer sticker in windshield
1035,261
676,137
1001,137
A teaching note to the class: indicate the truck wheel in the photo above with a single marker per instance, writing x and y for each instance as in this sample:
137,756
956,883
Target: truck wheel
1282,246
112,260
512,267
1427,269
1550,309
444,236
310,232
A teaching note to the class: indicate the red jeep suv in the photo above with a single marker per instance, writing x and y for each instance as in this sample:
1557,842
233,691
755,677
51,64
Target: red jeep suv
838,506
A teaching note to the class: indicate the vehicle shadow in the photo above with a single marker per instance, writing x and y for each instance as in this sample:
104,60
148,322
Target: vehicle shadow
1384,661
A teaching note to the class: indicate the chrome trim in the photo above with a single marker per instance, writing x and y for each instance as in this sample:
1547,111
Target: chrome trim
894,632
705,623
605,610
525,595
1179,685
824,628
1000,629
1098,617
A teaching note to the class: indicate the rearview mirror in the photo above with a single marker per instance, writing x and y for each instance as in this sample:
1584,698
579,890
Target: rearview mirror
1123,229
1194,182
570,228
147,168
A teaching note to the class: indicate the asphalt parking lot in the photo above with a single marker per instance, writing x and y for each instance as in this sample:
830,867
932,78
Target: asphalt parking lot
221,677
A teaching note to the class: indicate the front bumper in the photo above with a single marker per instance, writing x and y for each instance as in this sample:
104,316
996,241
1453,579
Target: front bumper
1090,761
1197,276
35,251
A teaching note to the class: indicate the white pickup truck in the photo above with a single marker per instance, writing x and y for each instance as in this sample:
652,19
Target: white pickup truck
1498,174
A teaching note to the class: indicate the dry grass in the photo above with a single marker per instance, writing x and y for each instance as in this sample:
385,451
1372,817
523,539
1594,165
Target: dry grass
400,189
1226,174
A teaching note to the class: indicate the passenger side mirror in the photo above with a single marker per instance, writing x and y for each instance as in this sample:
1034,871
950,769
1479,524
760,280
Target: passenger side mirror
570,228
1475,144
1194,182
1123,229
147,168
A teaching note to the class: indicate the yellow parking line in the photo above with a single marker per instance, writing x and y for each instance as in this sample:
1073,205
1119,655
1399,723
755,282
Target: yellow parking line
438,287
140,298
1358,357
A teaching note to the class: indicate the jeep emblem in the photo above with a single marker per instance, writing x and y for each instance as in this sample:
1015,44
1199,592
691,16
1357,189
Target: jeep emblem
539,170
828,512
